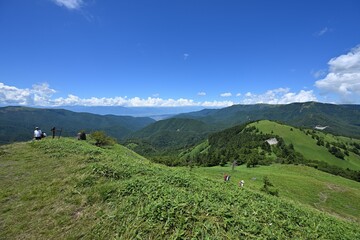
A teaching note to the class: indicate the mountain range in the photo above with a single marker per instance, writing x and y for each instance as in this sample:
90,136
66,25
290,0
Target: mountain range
18,123
340,119
182,129
187,128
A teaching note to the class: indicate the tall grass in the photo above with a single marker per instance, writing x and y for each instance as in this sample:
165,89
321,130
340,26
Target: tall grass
68,189
304,185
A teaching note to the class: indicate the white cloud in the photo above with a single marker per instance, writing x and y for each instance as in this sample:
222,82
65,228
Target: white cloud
343,78
186,55
72,100
39,94
201,94
322,31
238,94
70,4
248,94
279,96
226,94
42,95
217,104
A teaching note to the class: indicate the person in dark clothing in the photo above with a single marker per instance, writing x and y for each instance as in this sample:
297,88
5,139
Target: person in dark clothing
53,130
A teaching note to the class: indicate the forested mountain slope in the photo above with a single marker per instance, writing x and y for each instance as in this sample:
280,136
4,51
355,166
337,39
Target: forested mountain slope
174,133
341,119
247,144
18,123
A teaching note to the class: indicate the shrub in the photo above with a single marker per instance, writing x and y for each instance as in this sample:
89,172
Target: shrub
266,188
101,139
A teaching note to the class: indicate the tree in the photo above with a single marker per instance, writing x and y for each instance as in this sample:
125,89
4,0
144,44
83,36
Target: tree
336,152
267,187
252,160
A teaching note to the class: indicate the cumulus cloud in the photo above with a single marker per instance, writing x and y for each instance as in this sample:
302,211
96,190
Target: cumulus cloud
70,4
279,96
201,94
343,78
42,95
39,94
227,94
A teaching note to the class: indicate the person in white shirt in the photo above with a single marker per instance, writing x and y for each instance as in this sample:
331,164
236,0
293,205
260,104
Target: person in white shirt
37,133
241,183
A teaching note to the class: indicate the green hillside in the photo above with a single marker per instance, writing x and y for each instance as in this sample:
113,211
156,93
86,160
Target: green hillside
173,133
247,144
17,123
335,195
342,119
68,189
304,142
162,140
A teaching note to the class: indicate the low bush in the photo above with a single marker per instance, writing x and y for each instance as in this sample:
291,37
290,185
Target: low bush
101,139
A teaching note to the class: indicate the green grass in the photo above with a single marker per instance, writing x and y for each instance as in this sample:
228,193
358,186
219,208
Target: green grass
307,146
69,189
304,185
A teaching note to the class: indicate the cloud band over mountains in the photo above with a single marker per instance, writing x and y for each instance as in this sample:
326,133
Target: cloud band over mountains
42,95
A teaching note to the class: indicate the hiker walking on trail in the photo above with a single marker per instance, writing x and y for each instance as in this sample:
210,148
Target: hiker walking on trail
37,133
241,183
226,177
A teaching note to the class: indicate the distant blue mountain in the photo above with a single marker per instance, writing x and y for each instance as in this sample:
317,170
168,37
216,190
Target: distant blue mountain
157,113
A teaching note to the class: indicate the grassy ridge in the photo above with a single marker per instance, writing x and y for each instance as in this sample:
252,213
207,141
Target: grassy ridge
65,188
307,146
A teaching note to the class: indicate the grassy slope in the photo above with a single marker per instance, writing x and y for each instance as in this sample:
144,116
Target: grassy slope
71,189
305,185
306,145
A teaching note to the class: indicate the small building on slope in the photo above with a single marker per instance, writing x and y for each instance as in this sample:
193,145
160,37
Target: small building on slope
272,141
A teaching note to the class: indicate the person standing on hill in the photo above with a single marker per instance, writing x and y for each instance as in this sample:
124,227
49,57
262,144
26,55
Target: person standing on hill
53,130
37,133
241,183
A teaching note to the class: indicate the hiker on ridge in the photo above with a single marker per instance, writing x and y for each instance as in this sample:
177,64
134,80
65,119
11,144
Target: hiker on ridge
37,133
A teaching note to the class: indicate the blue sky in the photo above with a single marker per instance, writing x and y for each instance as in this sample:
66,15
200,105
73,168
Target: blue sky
208,53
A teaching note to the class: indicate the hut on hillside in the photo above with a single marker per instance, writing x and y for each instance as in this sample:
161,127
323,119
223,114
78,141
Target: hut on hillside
272,141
